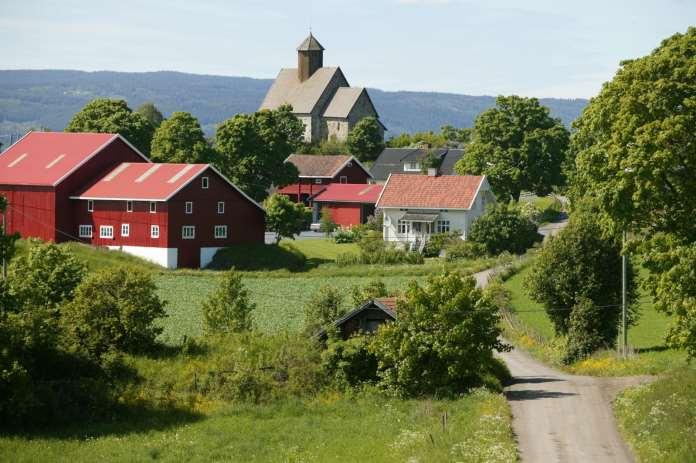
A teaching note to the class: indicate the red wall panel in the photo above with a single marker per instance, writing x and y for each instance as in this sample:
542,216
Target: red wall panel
31,211
345,214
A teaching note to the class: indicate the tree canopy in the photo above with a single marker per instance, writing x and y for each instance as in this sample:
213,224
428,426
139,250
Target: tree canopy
150,112
252,149
104,115
518,146
366,140
503,228
180,139
285,217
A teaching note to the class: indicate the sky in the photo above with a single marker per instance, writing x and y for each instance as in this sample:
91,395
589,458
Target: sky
541,48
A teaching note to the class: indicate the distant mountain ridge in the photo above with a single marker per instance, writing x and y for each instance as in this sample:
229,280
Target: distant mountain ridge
49,98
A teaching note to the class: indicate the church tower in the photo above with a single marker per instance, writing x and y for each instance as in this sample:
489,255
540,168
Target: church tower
310,57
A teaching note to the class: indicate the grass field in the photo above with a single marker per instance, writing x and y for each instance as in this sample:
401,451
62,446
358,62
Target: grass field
329,428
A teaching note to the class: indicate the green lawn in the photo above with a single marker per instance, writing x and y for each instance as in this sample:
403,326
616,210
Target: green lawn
320,249
329,428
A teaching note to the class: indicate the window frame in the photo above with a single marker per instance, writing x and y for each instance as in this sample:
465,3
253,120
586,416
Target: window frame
188,207
404,225
412,166
215,232
129,206
126,227
219,209
318,181
343,179
443,226
205,183
90,205
184,229
85,227
153,207
154,231
104,236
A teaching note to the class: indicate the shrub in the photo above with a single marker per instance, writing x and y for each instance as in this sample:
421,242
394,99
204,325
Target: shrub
464,250
373,250
228,309
440,241
585,331
327,225
375,222
372,290
502,228
443,340
351,362
346,235
323,308
286,218
113,310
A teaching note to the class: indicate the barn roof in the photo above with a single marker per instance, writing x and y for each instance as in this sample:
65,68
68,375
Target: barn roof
350,193
428,192
147,182
316,166
47,158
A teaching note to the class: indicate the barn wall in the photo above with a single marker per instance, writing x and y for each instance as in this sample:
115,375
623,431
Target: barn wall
358,322
345,214
31,211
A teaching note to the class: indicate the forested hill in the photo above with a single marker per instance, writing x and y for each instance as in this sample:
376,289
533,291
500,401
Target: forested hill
34,99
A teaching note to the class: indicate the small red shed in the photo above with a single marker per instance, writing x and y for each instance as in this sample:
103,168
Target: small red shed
350,204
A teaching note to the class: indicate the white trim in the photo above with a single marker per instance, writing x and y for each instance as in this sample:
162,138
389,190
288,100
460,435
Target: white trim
185,228
473,198
186,207
152,203
152,231
215,232
90,205
207,183
83,235
340,180
383,188
223,207
129,203
20,139
122,198
104,228
127,228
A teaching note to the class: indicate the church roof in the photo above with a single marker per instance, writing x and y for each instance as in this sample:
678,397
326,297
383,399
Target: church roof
343,101
310,44
303,96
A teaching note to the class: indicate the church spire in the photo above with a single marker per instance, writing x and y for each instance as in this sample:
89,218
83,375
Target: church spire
310,57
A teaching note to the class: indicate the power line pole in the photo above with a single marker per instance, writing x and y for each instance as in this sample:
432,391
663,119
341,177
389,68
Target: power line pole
623,298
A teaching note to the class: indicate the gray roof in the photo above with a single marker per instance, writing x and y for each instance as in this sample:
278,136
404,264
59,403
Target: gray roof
343,101
310,44
303,96
392,160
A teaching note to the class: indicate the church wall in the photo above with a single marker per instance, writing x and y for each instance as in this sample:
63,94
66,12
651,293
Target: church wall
362,108
319,129
307,121
337,128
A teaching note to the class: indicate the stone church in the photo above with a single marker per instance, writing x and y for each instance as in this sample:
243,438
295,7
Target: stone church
320,96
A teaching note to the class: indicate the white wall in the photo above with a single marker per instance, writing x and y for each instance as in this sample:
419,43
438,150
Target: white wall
207,255
166,257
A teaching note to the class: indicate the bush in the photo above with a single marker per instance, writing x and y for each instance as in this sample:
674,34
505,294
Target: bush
464,250
346,235
585,331
503,228
323,308
351,362
327,225
440,241
443,340
228,309
372,290
373,250
113,310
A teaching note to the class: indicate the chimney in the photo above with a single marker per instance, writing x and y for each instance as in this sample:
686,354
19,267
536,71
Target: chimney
432,171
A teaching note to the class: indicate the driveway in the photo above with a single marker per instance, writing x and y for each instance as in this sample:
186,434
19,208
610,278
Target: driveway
559,417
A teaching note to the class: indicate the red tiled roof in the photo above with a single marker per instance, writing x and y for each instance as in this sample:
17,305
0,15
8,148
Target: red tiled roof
46,158
423,191
389,302
302,189
143,181
310,165
350,193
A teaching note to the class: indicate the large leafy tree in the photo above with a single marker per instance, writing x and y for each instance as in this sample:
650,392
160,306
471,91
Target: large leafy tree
366,140
503,228
519,146
252,149
150,112
103,115
180,139
285,217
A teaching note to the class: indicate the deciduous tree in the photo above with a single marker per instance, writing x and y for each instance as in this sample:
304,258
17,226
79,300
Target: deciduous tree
150,112
366,140
180,139
229,308
285,217
503,228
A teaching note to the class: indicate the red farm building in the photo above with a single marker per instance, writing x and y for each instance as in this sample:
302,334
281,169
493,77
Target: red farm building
350,204
176,215
316,172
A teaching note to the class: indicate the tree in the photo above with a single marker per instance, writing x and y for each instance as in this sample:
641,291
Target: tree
366,140
285,217
327,225
518,146
150,112
580,264
113,310
180,139
443,340
228,309
253,147
453,134
503,228
103,115
323,308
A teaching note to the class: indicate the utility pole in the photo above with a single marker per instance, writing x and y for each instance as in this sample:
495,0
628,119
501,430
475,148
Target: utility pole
623,298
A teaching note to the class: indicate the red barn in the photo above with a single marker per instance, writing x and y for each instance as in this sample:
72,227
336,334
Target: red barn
316,172
350,204
41,170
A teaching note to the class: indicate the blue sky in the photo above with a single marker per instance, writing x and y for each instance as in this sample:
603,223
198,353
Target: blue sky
538,48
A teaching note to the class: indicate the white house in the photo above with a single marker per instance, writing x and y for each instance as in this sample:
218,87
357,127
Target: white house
417,206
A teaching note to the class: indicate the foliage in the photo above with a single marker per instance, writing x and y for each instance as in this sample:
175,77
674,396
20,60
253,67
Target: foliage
346,235
518,146
429,138
443,340
440,241
375,251
372,290
323,308
585,331
634,143
103,115
285,217
464,250
503,228
180,139
150,112
551,211
113,310
253,147
252,257
327,225
228,309
45,276
366,140
331,146
351,362
453,134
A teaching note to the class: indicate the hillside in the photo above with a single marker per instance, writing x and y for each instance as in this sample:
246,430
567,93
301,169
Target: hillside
33,99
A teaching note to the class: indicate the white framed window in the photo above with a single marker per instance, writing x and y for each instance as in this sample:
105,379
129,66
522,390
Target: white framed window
412,166
129,206
442,226
343,179
205,183
350,164
188,232
188,207
85,231
153,207
106,231
154,231
404,227
317,181
220,231
90,205
221,207
125,230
